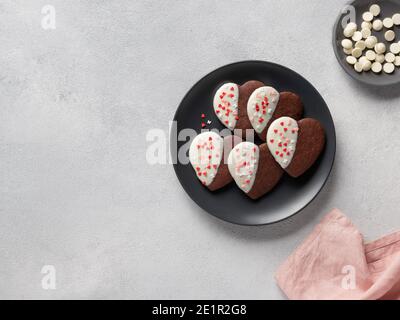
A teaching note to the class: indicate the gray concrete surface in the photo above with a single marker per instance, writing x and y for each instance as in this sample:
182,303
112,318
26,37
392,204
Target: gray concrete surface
76,103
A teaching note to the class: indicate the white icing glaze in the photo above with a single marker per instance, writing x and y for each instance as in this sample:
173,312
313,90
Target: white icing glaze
282,140
261,106
226,104
243,165
205,155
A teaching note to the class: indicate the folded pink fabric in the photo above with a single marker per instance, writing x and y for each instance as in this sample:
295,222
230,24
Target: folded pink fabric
333,263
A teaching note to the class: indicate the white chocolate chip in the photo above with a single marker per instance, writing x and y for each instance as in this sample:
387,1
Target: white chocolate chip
361,45
390,57
357,36
363,60
348,51
397,61
388,23
367,65
380,58
396,19
390,35
366,25
377,25
388,68
351,60
375,10
370,55
371,41
358,67
350,29
376,67
380,48
365,33
395,48
368,16
347,44
357,52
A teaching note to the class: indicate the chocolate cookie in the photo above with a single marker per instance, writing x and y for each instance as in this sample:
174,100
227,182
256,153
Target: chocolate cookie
206,154
265,105
230,105
254,169
296,145
245,91
289,105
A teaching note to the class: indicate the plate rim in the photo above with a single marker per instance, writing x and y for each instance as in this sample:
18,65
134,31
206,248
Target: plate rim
175,165
343,65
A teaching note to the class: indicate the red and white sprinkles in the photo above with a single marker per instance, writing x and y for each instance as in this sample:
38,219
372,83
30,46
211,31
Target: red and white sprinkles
282,140
226,104
261,106
205,155
243,165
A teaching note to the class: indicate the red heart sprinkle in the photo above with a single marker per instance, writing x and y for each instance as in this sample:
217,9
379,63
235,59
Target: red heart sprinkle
282,124
272,140
276,131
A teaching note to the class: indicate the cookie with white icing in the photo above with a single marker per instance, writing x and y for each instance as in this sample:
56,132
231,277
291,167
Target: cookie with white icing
226,101
266,105
254,169
261,106
245,91
296,145
230,105
206,155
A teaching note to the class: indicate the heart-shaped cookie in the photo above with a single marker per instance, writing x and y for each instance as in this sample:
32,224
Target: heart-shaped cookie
296,145
245,92
226,104
207,156
254,169
265,105
230,105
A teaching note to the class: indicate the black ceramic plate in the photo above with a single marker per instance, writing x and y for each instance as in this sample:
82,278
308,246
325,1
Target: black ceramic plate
291,195
388,9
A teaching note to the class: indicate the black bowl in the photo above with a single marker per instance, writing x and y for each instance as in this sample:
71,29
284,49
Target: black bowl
388,9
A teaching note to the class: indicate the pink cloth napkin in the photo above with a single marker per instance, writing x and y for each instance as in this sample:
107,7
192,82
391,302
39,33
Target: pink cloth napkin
333,263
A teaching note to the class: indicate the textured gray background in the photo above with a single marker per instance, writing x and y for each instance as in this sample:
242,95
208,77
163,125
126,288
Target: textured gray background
76,102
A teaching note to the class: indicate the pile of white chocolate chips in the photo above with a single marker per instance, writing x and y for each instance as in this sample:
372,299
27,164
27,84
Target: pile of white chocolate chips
362,48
